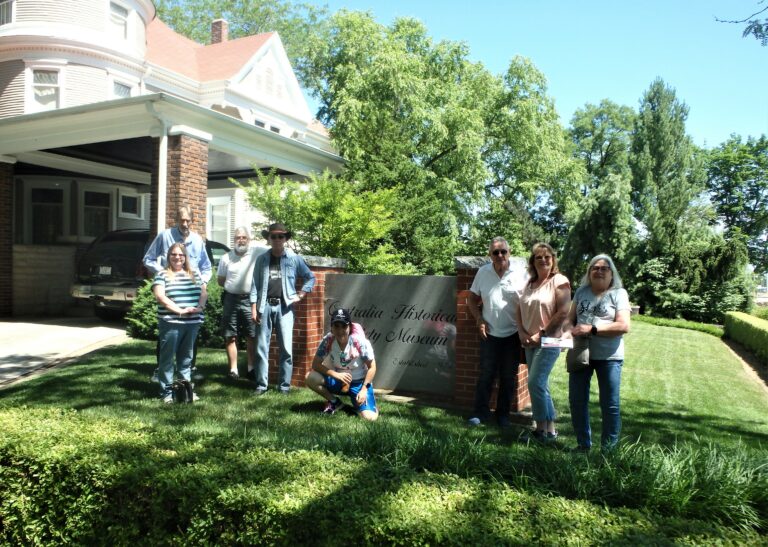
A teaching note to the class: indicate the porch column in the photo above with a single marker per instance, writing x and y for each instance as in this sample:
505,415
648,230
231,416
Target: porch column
186,179
6,238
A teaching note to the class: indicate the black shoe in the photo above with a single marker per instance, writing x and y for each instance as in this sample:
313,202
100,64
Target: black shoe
251,374
234,375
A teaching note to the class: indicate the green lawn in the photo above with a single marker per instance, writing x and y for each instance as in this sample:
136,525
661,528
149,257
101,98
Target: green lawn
233,469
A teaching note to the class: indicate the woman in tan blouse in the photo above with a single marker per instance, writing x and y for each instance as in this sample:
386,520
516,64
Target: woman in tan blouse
543,309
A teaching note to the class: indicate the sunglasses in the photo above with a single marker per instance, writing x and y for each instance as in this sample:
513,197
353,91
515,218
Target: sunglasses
276,236
498,252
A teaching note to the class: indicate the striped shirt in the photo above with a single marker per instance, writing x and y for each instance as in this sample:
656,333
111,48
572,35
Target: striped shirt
182,291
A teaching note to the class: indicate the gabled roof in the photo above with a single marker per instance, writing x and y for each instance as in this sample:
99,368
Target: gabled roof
221,61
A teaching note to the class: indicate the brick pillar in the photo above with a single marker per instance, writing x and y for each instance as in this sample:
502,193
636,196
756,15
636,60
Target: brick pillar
187,180
468,345
309,322
6,239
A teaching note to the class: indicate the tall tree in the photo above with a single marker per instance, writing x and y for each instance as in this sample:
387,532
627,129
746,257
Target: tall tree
418,117
602,136
667,171
738,185
684,268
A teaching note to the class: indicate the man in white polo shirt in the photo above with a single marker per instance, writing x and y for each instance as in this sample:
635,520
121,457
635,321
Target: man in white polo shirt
492,301
235,274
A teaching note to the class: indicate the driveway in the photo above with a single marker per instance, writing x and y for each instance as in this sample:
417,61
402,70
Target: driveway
30,346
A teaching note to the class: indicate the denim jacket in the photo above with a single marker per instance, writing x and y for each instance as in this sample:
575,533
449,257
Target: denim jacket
292,266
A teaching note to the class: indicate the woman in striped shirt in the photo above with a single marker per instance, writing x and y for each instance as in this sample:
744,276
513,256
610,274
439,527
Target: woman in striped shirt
181,297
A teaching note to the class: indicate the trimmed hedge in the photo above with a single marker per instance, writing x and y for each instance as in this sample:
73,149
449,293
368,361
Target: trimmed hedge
708,328
750,331
70,478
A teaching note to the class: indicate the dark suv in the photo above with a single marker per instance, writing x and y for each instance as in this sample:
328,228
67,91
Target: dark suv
111,271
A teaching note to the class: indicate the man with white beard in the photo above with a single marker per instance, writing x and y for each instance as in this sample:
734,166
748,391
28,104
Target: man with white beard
235,274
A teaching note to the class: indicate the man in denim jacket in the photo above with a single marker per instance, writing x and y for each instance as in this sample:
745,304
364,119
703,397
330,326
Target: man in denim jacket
273,293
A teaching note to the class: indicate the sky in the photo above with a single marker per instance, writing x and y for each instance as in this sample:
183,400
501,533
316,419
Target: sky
591,50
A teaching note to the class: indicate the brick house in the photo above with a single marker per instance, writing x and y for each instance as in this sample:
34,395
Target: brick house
109,119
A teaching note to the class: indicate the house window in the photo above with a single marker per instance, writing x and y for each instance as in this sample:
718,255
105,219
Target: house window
260,123
131,205
118,18
121,90
45,87
96,213
274,129
218,219
6,12
47,215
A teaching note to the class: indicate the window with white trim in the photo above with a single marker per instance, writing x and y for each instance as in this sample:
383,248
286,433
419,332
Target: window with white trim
131,204
97,213
45,89
47,215
118,20
6,12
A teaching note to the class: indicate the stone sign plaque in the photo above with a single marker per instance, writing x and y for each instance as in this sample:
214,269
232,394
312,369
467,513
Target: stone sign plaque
411,322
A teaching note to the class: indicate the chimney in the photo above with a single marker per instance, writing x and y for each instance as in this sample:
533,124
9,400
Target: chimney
219,31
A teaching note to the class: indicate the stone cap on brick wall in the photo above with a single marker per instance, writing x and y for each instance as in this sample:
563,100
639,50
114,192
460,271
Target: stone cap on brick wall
470,262
325,262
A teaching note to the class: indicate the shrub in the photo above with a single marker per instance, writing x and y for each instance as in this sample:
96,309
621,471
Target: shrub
750,331
714,330
760,311
142,318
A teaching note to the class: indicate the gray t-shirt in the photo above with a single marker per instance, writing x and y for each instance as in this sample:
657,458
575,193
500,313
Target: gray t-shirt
591,310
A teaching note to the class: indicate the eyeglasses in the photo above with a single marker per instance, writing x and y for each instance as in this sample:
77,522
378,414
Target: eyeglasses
276,236
601,269
498,252
177,254
545,258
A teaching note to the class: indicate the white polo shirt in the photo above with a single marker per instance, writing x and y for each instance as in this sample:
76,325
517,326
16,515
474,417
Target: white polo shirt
500,295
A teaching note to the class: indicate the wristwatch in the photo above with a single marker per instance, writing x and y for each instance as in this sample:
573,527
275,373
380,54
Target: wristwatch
594,330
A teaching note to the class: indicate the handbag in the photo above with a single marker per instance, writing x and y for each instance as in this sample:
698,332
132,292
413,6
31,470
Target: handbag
577,358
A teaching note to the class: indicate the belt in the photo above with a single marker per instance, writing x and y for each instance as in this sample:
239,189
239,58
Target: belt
246,295
273,301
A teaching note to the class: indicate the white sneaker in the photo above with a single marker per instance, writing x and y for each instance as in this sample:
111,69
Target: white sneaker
168,398
155,377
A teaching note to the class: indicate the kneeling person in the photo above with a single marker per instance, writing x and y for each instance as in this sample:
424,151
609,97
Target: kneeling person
351,368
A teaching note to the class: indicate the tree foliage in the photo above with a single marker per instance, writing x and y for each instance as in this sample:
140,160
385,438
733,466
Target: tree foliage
738,185
458,144
667,172
755,27
333,217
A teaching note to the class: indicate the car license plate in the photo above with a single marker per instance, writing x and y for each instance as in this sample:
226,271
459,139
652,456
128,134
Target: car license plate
105,270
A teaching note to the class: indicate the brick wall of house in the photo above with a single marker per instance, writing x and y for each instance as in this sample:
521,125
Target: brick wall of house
6,238
42,276
187,178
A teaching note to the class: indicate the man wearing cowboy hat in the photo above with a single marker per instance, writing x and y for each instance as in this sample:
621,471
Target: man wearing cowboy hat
273,293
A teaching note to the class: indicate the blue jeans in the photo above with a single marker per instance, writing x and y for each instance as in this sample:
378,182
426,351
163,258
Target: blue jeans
176,341
608,380
498,357
540,363
281,318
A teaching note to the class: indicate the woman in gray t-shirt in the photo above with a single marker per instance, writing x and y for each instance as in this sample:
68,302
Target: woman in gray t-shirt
600,312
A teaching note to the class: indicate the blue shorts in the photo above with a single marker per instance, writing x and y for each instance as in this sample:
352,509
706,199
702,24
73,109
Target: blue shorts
334,386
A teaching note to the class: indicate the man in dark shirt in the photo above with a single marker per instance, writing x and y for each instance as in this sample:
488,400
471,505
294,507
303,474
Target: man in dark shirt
273,293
